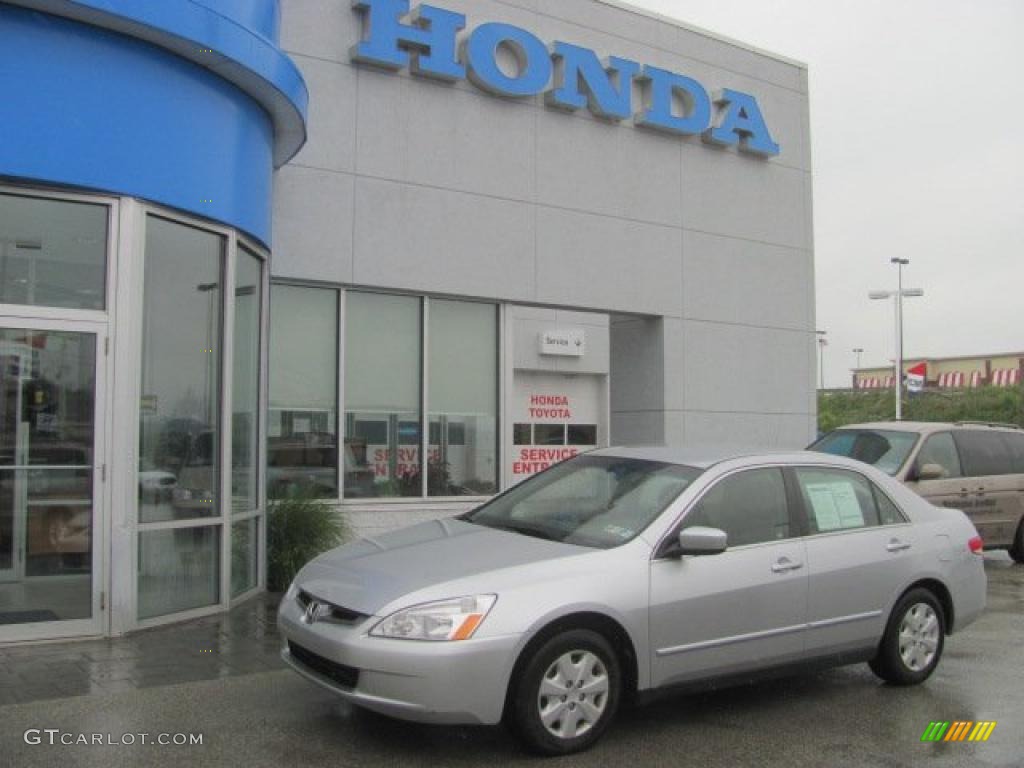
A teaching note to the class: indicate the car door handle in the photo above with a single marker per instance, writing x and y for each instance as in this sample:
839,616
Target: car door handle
897,546
784,565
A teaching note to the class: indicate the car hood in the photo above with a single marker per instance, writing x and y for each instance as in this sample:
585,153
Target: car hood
368,574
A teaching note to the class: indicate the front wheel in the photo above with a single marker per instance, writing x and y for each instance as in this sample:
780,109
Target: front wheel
913,641
567,694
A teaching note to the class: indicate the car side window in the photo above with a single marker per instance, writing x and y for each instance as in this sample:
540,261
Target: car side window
888,512
941,450
749,506
836,500
983,453
1015,444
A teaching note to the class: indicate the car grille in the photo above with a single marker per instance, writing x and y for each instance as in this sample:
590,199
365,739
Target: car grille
338,613
346,677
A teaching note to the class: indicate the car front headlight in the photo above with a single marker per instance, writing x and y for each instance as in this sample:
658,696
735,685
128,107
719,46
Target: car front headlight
455,619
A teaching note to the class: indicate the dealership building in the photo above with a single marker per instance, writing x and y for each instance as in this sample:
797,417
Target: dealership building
398,257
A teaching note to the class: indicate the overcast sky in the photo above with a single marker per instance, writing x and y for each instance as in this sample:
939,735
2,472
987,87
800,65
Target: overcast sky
917,121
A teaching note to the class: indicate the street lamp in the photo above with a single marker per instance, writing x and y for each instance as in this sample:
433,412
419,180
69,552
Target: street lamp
822,343
898,296
858,351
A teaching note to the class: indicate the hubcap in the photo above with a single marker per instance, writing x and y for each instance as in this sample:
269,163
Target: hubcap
573,694
919,637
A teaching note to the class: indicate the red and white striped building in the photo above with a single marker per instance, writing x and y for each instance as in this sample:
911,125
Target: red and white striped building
1004,370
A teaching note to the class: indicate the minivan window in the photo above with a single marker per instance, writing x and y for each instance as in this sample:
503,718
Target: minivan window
983,453
1015,444
885,449
940,449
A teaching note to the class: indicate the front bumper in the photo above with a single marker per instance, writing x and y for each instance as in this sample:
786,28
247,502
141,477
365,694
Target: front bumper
446,683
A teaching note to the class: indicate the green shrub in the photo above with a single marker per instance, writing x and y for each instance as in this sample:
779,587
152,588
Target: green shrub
995,404
299,527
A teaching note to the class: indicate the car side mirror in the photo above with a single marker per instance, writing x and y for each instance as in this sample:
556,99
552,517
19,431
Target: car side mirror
699,541
931,472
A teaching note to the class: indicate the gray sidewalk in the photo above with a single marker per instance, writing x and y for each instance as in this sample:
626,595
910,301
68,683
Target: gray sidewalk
240,642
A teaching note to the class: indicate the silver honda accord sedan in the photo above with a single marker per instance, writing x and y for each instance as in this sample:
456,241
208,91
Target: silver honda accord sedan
625,572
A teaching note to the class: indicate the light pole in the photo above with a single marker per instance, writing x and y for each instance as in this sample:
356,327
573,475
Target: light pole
898,295
822,343
858,351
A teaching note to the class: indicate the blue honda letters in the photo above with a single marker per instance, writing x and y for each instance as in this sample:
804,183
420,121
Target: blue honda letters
569,76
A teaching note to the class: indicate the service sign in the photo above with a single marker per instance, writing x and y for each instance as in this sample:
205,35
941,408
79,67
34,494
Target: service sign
564,343
433,42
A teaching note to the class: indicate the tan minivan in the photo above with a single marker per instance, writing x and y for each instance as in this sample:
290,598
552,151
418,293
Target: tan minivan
974,467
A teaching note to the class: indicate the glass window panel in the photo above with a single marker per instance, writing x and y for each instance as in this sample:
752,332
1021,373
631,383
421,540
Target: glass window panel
522,434
179,569
749,506
302,435
52,253
244,556
58,532
549,434
582,434
47,389
941,450
47,398
836,500
179,416
983,453
463,398
245,382
382,395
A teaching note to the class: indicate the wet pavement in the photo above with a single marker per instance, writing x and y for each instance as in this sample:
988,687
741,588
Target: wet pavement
251,713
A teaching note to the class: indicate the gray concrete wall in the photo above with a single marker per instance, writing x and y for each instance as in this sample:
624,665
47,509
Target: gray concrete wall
704,255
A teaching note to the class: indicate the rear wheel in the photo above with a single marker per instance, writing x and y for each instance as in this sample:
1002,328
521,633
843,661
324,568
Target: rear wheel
913,641
1017,550
568,693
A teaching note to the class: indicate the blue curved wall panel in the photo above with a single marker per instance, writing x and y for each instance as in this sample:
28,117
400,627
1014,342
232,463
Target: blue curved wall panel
85,106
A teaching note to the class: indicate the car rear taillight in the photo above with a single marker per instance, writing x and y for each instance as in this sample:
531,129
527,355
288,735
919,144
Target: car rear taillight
976,545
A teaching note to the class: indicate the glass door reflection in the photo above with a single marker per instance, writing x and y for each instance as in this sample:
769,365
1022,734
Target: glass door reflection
47,464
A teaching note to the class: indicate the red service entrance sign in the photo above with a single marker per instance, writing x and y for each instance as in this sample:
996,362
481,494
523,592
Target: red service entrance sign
556,417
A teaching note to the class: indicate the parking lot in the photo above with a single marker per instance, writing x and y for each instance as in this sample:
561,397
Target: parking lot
220,678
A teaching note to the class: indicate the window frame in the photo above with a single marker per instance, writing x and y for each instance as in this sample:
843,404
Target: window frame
873,487
133,280
996,438
663,549
113,205
424,445
915,467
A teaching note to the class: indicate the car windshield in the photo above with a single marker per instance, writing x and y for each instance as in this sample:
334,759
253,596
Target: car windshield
590,501
883,448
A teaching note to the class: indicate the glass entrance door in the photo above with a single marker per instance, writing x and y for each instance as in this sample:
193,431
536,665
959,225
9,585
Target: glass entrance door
50,477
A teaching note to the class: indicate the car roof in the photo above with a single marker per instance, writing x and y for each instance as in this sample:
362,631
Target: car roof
706,456
927,427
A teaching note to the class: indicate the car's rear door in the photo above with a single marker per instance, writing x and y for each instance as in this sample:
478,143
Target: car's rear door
860,551
994,504
739,610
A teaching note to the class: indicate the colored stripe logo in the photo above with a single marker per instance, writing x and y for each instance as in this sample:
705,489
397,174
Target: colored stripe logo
958,730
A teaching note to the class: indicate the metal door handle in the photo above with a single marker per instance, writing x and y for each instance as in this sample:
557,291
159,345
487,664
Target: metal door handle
785,564
897,546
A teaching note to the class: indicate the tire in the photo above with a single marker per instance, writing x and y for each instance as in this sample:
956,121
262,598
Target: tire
913,641
1017,550
568,693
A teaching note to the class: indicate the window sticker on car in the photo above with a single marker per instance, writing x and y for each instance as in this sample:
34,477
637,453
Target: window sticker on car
835,505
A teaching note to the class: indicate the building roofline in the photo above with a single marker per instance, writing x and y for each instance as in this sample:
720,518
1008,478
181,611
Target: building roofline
630,8
909,360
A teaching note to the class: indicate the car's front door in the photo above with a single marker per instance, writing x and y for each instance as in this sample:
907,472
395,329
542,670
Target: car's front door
739,610
860,551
